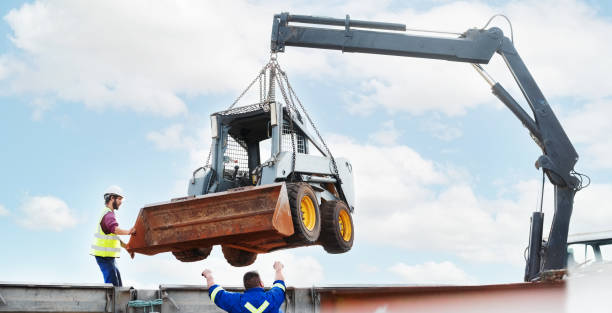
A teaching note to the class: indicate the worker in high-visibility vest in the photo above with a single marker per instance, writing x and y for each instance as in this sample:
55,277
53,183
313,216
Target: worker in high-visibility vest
107,245
254,299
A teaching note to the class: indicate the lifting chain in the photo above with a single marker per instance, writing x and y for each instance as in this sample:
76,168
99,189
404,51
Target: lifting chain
280,77
261,77
292,109
312,124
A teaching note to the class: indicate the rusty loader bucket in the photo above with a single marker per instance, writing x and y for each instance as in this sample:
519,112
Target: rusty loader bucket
255,219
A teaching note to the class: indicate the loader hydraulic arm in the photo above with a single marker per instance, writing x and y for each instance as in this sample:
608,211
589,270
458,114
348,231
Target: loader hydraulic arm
475,46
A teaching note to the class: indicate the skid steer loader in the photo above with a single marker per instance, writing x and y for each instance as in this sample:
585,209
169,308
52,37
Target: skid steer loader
300,195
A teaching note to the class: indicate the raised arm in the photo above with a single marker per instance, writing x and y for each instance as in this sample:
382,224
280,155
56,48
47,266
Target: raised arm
210,281
278,268
223,299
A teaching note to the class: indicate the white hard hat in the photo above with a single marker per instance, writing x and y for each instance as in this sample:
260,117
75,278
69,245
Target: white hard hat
114,191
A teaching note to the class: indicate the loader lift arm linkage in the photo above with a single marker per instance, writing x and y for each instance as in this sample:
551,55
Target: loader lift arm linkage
475,46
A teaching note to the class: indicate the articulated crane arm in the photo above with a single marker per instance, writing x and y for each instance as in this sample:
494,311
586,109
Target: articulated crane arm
475,46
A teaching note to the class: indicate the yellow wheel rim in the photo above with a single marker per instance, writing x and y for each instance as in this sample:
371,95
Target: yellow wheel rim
309,216
344,222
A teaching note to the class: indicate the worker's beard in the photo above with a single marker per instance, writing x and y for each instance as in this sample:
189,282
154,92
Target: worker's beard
115,206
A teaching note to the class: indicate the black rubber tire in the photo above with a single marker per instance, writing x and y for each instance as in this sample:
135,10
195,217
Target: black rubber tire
237,257
331,237
192,255
296,191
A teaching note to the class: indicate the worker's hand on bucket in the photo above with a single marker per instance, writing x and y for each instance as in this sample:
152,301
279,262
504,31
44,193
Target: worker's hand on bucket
132,231
278,266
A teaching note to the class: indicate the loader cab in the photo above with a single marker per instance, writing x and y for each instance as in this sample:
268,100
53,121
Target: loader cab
243,139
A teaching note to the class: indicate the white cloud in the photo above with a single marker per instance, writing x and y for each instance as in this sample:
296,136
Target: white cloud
431,273
177,137
418,85
46,213
538,26
40,105
433,208
171,138
592,209
143,56
148,57
396,159
4,211
387,135
139,55
410,86
440,130
590,125
454,220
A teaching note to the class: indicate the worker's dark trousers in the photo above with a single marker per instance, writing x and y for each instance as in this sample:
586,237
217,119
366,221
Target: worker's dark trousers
109,270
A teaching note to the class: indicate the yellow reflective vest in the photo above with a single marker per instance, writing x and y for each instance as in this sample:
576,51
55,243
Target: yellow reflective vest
105,245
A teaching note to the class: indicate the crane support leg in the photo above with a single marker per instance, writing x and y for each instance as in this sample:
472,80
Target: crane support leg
556,246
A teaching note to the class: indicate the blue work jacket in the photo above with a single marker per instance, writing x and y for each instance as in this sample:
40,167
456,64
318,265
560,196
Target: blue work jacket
254,300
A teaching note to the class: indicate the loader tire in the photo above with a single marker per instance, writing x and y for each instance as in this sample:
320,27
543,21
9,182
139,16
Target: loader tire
338,231
304,213
237,257
192,255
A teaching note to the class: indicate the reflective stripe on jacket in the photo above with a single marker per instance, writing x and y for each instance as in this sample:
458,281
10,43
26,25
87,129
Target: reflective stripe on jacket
105,245
254,300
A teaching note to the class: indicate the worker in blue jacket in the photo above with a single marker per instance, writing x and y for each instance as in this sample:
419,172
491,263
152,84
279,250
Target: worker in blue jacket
254,299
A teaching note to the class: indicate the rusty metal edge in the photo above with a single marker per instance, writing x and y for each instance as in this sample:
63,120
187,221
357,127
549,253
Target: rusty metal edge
54,285
216,194
281,219
381,289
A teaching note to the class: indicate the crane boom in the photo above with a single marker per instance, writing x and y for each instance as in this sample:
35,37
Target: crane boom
476,46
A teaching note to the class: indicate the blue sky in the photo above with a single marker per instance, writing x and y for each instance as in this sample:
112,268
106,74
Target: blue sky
115,93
